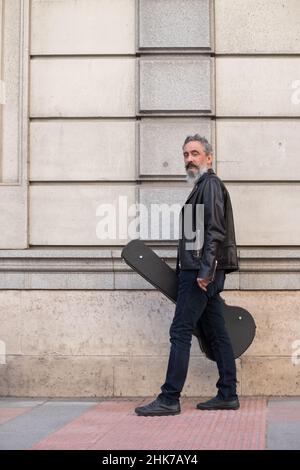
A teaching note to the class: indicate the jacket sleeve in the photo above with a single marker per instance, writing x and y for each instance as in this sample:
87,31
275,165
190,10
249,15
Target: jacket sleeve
214,227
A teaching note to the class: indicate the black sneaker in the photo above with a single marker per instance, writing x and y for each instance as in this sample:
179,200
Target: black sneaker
158,408
218,403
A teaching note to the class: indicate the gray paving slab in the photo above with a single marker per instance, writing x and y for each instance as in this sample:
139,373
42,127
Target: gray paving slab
279,401
24,431
19,402
283,436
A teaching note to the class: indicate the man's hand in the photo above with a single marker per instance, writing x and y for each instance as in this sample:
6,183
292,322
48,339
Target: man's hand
203,283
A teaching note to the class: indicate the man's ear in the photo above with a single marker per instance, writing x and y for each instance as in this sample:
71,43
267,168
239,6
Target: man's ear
210,158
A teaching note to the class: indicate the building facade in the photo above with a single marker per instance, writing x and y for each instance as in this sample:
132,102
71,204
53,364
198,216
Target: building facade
97,97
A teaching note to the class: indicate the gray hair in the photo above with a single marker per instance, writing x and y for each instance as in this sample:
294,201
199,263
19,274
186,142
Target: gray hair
206,145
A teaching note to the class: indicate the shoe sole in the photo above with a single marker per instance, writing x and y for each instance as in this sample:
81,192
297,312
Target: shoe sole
204,408
163,413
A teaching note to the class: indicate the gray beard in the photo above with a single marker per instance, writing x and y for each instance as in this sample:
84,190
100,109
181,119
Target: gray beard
193,176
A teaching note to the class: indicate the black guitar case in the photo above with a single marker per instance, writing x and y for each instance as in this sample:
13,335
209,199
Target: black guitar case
239,322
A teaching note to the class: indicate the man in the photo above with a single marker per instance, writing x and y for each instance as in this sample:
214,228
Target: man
201,273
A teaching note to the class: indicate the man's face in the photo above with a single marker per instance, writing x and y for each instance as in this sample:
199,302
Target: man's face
195,160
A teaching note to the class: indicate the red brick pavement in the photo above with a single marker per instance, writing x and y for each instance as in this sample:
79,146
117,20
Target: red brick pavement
113,425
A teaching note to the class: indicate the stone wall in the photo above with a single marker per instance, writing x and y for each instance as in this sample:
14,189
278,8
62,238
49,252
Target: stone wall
97,97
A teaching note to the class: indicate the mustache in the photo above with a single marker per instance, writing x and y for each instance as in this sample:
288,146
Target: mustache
191,165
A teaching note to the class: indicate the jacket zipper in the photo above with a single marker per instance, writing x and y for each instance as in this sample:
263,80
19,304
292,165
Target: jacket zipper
214,272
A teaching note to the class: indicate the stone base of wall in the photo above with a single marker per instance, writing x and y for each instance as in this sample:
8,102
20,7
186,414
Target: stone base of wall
98,343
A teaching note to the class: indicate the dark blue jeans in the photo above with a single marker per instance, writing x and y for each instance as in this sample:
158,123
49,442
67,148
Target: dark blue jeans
195,305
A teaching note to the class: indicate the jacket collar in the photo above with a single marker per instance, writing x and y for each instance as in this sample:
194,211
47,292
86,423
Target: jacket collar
208,172
202,177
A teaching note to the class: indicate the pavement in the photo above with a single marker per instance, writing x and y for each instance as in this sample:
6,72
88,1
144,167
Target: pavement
111,423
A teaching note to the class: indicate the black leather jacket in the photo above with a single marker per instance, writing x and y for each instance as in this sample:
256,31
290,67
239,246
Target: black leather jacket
219,249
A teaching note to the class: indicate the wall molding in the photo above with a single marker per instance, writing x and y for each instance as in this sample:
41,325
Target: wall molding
273,268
